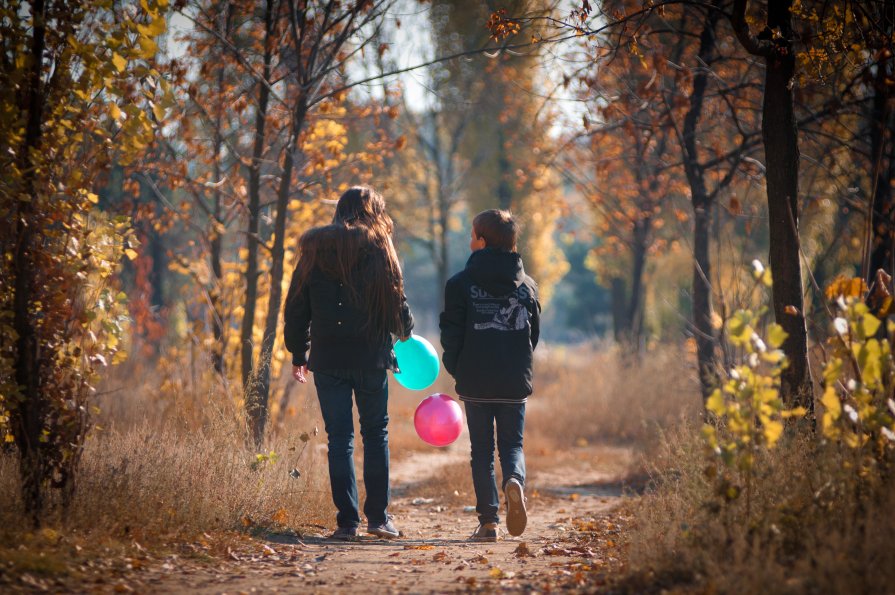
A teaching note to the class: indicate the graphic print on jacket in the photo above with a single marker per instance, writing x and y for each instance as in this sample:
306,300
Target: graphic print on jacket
513,317
490,327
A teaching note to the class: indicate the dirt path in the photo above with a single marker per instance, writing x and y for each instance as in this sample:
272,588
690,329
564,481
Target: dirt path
565,501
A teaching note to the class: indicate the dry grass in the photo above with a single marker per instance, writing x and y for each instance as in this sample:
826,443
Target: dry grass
161,483
168,464
587,396
169,460
813,527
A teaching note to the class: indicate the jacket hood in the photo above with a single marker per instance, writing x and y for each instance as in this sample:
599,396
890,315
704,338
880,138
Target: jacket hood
496,271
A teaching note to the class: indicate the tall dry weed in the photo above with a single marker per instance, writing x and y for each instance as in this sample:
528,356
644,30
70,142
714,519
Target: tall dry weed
813,526
600,395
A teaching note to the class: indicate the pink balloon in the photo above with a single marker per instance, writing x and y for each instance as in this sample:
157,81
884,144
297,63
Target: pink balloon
438,419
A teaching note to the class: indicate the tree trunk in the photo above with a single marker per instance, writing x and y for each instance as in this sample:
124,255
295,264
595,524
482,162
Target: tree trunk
634,314
443,263
217,314
882,240
702,210
254,191
702,297
620,324
257,403
504,188
29,412
781,145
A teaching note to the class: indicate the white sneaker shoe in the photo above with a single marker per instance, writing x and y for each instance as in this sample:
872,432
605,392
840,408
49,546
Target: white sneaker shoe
517,517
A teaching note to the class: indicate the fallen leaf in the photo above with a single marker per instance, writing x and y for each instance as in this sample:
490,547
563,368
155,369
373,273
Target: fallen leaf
522,551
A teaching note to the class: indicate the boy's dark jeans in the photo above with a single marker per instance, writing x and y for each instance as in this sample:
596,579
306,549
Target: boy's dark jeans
481,420
370,387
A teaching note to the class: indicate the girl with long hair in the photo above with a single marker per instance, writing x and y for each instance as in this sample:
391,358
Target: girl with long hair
345,302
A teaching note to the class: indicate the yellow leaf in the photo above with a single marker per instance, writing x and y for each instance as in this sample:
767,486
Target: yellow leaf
776,336
130,253
870,361
154,29
158,111
148,47
115,111
119,61
773,429
92,197
870,324
832,406
715,403
832,371
794,412
710,436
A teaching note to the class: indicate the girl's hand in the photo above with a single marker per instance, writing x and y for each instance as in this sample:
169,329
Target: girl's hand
300,373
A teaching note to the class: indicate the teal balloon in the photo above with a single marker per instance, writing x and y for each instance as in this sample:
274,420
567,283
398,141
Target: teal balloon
417,362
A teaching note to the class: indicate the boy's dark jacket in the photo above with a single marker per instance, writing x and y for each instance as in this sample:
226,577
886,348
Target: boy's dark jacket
490,327
322,316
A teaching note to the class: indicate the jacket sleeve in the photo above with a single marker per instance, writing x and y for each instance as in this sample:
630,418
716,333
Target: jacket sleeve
297,327
453,324
535,320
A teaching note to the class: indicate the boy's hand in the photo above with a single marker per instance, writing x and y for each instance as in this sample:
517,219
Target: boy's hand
300,373
403,339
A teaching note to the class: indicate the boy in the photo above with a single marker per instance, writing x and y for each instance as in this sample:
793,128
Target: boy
489,329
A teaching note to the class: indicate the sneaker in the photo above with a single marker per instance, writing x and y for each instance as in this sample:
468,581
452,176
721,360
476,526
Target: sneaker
386,530
487,532
517,517
344,534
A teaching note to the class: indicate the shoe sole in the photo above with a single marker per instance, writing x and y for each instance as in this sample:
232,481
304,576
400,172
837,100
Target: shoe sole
517,516
383,534
483,539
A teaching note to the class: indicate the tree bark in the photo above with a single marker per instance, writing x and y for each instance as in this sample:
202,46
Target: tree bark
780,136
780,139
620,324
217,314
29,412
882,241
634,315
702,212
254,192
258,403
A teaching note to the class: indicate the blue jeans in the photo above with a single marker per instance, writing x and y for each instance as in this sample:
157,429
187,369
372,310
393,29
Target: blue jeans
334,388
481,420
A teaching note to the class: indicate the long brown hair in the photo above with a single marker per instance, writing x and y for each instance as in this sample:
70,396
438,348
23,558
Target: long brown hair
357,250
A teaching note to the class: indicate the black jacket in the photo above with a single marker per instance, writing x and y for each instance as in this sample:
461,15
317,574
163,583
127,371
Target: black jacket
490,327
321,316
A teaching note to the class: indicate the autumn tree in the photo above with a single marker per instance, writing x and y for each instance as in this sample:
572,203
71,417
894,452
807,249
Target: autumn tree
75,81
507,141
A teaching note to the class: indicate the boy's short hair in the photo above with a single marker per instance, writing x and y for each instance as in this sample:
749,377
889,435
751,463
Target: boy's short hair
497,228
